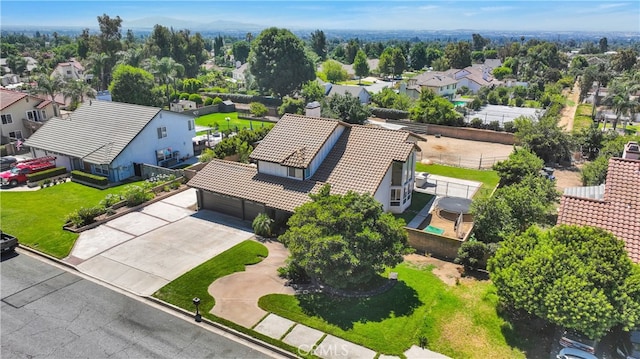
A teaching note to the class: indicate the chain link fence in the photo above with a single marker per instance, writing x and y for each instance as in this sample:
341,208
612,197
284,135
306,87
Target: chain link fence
466,162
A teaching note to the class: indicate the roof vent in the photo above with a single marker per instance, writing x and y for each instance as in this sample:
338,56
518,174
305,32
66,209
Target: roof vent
631,151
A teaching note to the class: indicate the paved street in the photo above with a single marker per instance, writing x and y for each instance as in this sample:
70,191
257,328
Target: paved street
49,312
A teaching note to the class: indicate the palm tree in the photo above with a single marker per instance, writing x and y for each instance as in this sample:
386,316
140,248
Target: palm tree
166,70
620,101
77,90
50,86
132,57
98,63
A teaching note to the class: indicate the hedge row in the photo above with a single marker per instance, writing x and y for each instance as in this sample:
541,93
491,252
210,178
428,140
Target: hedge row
241,98
90,178
35,177
389,113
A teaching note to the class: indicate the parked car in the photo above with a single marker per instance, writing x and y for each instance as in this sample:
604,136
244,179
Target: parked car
547,172
6,162
628,345
573,339
8,243
573,353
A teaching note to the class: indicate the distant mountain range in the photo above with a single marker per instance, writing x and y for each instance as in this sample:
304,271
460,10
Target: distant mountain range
150,22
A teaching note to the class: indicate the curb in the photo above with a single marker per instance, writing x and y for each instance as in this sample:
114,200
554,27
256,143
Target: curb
177,309
224,328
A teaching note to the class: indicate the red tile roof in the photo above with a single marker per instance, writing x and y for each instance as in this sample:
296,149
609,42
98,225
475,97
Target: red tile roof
8,98
618,212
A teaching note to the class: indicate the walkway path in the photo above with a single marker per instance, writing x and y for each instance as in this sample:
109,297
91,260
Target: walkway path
568,112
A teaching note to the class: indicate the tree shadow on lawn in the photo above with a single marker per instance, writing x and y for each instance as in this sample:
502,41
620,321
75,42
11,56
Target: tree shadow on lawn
531,335
399,301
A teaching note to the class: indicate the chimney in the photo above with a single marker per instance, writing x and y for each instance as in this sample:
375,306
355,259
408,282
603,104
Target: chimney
631,151
312,109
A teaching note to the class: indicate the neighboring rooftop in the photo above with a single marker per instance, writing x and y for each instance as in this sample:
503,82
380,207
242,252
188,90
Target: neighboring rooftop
503,114
617,212
96,132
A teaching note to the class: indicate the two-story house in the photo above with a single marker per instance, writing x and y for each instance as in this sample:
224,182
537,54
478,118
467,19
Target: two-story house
301,154
109,138
71,70
21,114
438,82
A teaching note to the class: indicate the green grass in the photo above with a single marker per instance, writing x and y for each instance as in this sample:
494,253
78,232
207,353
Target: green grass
418,201
459,321
37,217
355,82
582,118
629,130
218,118
488,178
195,283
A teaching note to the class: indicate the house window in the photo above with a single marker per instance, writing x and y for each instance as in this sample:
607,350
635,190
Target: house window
15,134
396,174
102,170
190,125
396,196
295,172
162,132
35,115
6,119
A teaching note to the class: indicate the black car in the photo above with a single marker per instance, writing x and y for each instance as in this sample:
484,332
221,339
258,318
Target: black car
628,345
6,162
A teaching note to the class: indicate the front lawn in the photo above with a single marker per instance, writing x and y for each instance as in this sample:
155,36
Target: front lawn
219,119
196,282
459,321
488,178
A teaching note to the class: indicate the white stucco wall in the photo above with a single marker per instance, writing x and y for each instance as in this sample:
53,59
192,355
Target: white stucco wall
271,168
325,149
383,194
18,111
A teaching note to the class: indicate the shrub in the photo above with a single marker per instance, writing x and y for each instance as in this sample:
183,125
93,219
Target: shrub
471,254
110,199
195,98
174,185
35,177
257,109
166,188
262,225
509,127
294,273
494,125
89,178
389,113
242,98
184,96
137,194
208,101
85,215
217,101
477,123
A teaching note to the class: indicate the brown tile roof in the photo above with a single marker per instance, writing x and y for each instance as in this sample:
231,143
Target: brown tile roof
618,212
295,140
8,98
243,181
358,161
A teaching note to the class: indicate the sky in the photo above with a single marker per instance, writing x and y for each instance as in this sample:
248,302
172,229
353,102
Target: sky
514,15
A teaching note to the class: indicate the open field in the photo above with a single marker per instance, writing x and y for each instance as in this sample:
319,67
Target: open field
463,153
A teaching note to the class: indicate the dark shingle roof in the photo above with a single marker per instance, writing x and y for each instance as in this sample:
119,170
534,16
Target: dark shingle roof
96,132
618,212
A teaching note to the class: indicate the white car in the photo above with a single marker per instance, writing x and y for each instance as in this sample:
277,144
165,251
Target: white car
573,353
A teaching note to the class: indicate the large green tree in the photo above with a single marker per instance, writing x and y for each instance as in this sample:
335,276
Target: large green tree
576,277
345,108
521,163
133,85
431,108
279,63
334,72
544,138
241,50
458,54
418,56
344,240
319,44
312,91
360,65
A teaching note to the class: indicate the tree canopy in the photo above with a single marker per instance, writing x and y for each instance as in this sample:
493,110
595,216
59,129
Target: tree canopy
344,240
576,277
521,163
334,72
133,85
434,109
544,138
345,108
360,65
279,63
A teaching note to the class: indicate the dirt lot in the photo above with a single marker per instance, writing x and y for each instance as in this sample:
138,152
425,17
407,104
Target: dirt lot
463,153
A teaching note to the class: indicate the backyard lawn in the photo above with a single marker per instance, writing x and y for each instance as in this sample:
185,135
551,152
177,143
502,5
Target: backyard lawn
582,118
459,321
36,217
488,178
219,119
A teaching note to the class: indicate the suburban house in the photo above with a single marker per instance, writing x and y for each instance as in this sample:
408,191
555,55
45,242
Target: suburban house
475,77
238,73
441,83
617,210
356,91
31,64
301,154
110,138
22,114
182,105
71,70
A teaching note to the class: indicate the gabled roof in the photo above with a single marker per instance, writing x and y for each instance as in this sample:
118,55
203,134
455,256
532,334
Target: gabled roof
434,79
618,212
8,98
355,91
295,140
357,162
96,132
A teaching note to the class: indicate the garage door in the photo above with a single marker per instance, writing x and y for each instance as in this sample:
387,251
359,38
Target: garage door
223,204
252,210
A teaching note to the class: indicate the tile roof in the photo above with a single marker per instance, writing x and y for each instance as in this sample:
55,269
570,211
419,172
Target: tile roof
277,192
8,98
295,140
355,91
96,132
619,210
358,162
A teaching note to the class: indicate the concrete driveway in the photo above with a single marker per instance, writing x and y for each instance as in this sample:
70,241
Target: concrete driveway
144,250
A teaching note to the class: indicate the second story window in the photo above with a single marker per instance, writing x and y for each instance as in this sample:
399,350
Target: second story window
162,132
6,119
35,115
